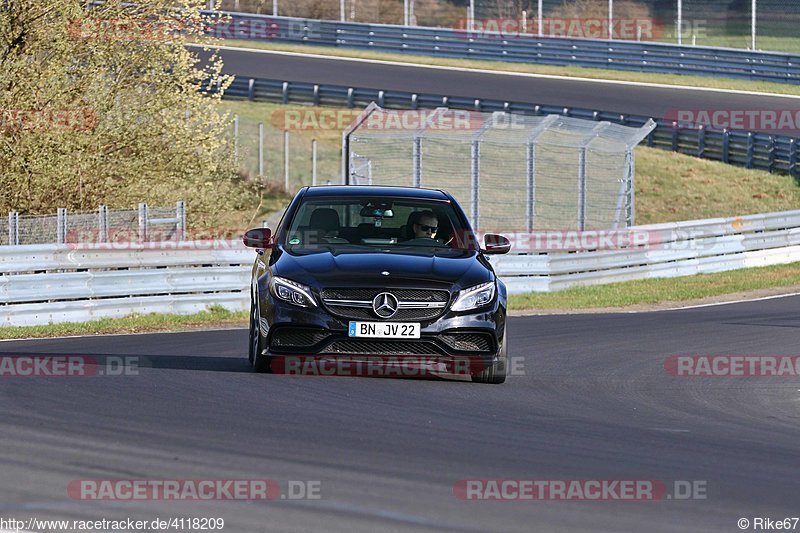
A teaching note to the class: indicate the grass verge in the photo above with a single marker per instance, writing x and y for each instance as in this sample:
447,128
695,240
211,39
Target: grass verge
751,282
216,317
568,71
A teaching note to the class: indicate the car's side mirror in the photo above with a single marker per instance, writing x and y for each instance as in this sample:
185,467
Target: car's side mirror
496,244
258,238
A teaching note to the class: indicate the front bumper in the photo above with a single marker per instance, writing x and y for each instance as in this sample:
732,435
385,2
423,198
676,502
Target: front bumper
449,339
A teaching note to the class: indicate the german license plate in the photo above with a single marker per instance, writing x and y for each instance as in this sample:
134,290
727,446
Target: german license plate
385,330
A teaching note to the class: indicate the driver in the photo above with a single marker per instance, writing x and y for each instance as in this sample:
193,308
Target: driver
426,225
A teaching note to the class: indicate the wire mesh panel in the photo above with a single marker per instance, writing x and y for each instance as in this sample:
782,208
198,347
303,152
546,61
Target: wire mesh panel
508,172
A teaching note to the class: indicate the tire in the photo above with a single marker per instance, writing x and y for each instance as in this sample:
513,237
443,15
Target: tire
495,373
258,360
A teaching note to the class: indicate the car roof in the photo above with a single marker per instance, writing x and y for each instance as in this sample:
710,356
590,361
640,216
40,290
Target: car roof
374,191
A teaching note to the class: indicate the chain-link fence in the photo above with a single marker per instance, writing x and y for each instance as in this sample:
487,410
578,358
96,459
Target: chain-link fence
144,224
727,23
509,172
267,151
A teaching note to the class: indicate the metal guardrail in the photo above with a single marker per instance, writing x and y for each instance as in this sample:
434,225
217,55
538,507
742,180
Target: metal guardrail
773,153
40,284
684,248
453,43
46,283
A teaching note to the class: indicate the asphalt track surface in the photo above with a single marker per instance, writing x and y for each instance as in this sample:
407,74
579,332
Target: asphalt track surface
655,102
595,403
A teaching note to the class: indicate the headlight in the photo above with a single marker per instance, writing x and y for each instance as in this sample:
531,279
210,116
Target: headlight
474,297
291,292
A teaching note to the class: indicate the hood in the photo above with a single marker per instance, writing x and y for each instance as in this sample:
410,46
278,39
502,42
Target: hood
422,268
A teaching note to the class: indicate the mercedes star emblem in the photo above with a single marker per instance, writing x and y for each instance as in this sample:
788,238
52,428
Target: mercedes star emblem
385,305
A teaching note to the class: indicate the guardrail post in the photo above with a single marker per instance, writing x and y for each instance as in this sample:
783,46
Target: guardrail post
381,98
102,224
143,222
793,157
701,141
13,228
726,146
414,101
313,162
350,103
674,136
61,225
180,214
771,154
316,95
251,89
285,92
750,150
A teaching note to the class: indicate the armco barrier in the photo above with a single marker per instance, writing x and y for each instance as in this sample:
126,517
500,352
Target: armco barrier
40,284
748,149
453,43
684,248
74,283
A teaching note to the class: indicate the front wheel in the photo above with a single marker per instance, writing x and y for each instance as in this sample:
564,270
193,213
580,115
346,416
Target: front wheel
256,355
496,373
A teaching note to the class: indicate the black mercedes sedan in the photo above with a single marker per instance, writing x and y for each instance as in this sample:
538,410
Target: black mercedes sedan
359,274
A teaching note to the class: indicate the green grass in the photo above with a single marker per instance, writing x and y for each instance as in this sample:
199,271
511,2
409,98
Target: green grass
216,316
659,291
594,73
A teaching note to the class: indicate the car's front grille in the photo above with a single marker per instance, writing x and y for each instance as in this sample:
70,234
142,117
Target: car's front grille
414,304
416,295
468,342
381,347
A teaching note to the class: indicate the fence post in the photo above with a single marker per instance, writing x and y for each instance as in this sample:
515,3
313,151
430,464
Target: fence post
251,89
102,223
286,160
416,161
142,222
261,149
180,214
313,162
236,139
750,150
792,157
475,181
13,228
530,167
61,225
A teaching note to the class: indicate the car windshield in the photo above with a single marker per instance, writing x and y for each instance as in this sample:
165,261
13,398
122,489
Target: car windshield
376,222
